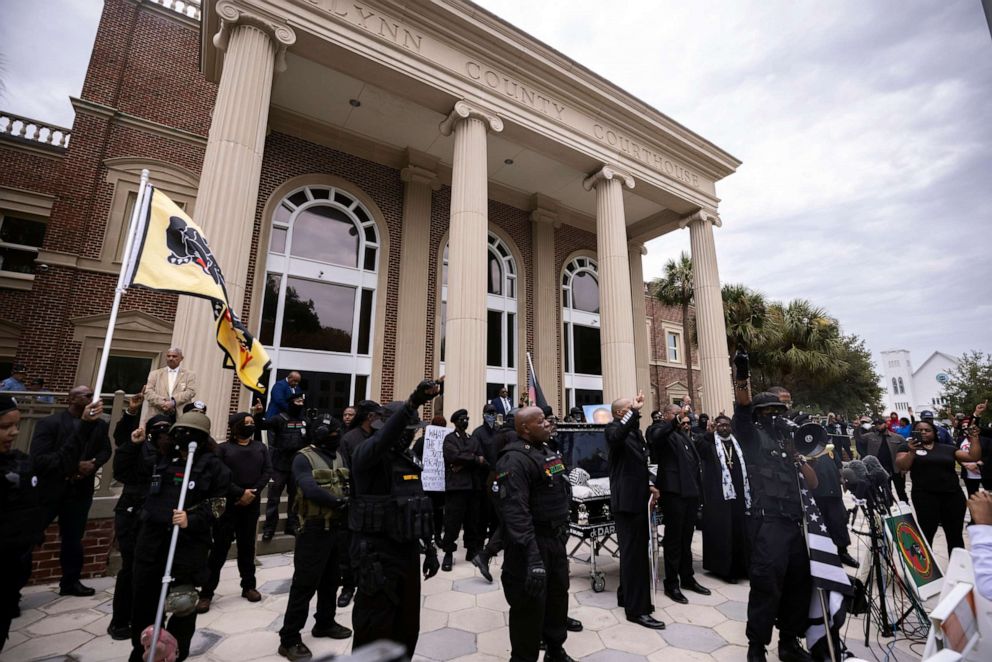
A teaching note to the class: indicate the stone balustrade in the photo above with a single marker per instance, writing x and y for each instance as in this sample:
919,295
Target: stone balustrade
189,8
33,131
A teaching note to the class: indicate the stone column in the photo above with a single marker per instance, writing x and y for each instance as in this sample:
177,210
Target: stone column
419,178
465,341
714,361
642,347
616,318
228,194
547,330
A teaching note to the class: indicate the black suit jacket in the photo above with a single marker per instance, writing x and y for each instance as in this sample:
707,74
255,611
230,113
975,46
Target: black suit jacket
679,465
59,443
629,477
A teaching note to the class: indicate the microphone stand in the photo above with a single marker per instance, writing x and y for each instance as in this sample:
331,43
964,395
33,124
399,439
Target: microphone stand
166,579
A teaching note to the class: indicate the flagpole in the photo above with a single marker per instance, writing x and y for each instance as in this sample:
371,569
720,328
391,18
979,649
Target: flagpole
132,227
821,594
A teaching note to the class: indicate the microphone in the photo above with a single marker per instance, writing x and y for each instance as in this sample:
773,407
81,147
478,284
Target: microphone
872,464
859,469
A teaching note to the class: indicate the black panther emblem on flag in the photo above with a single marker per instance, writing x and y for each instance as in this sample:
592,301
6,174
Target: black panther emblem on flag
187,245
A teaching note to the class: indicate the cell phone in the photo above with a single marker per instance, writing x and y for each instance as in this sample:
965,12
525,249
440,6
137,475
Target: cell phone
917,437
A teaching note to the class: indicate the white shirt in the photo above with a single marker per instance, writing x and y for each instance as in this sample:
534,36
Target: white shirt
173,374
980,536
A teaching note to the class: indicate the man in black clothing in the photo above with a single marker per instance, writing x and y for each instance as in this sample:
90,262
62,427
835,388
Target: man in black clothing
322,504
882,442
463,460
780,580
830,500
679,481
534,498
366,413
630,493
69,495
726,491
485,437
248,461
390,517
288,435
134,472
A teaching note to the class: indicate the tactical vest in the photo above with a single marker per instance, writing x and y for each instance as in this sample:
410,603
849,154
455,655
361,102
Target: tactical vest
774,479
333,481
166,484
550,491
405,514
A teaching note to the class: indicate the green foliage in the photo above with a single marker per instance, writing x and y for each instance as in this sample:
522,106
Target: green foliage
970,383
674,288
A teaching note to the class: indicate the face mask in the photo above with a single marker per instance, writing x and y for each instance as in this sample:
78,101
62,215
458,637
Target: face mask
461,423
330,443
294,409
490,420
866,426
246,431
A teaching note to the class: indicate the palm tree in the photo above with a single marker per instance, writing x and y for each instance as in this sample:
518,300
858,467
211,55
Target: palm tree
745,312
803,340
674,288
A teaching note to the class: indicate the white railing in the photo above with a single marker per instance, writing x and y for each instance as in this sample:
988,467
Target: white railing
25,128
189,8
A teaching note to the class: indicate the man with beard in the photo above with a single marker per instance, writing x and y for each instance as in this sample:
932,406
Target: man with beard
288,432
366,413
485,437
322,505
780,578
462,490
534,497
727,492
630,493
390,518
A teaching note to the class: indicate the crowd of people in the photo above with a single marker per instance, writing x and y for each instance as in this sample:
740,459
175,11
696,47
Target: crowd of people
366,530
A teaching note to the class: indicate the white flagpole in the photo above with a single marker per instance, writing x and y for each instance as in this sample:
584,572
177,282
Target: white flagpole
132,228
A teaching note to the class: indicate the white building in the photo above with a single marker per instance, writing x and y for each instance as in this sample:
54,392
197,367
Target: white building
920,389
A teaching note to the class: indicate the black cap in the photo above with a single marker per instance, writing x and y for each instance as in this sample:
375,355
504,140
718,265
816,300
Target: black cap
548,411
157,420
18,367
460,413
767,400
369,407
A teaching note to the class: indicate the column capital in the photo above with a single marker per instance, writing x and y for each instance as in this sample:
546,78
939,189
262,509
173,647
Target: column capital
232,14
702,216
464,110
544,210
606,173
638,247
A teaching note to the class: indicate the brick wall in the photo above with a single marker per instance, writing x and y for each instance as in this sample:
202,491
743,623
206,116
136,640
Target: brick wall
99,534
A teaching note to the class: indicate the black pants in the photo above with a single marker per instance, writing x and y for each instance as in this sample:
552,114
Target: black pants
126,531
315,570
780,581
680,521
387,605
495,543
188,567
281,480
835,517
461,510
944,509
15,570
237,523
972,485
899,482
534,619
437,500
72,511
346,568
634,594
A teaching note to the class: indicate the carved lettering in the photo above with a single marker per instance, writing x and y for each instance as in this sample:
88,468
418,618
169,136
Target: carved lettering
384,28
363,17
644,155
514,89
411,41
366,18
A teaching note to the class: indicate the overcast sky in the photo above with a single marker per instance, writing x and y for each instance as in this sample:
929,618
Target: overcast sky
865,130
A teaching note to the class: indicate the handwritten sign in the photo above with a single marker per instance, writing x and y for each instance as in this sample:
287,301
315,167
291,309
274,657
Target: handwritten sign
433,475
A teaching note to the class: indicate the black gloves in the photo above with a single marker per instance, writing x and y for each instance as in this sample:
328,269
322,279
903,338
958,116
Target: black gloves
742,366
425,391
537,582
431,564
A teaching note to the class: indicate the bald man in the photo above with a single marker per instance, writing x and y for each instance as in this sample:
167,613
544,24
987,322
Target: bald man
169,388
534,498
66,489
630,493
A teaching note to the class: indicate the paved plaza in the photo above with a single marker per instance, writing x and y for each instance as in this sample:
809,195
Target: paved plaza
463,618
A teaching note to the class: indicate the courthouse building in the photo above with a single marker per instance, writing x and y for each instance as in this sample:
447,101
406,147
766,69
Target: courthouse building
393,189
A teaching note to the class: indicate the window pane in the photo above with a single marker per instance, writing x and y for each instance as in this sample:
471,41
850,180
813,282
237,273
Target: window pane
587,350
511,290
511,320
299,198
494,339
365,322
444,268
568,352
363,218
495,274
361,387
282,215
585,292
320,193
325,234
318,316
22,231
270,303
326,391
277,243
369,259
126,373
673,346
443,322
14,260
587,397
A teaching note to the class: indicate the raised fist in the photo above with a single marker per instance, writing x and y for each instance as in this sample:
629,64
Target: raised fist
742,365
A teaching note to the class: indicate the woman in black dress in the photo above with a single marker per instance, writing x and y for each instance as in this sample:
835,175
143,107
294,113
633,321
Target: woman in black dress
937,496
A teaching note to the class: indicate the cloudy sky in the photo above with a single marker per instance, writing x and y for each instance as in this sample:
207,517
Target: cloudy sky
865,130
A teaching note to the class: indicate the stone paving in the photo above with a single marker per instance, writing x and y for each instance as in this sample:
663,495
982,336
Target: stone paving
462,618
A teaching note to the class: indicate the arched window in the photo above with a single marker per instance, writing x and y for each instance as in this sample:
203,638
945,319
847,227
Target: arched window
581,342
501,311
902,389
320,289
895,387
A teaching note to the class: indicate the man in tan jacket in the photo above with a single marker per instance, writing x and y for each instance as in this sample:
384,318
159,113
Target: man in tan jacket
169,388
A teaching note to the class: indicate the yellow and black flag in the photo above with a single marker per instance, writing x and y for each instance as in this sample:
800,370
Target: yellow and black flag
171,254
